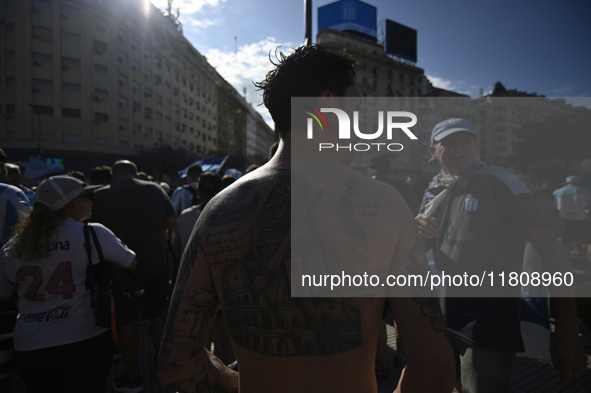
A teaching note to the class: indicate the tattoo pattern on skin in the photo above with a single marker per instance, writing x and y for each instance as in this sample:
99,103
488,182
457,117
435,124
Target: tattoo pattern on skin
260,311
346,214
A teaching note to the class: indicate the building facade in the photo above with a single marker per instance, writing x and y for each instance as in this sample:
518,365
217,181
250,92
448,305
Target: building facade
108,78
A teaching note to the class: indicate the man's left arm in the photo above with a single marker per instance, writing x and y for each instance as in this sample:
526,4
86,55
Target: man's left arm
567,352
184,363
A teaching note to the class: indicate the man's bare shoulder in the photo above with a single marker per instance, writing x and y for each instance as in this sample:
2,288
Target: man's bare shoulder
242,200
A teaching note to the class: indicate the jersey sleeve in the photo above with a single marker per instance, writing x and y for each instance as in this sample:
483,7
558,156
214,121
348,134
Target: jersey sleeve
114,250
177,200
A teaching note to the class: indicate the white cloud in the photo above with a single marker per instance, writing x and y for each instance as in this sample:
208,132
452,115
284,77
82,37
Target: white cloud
190,11
562,90
441,83
199,23
187,7
249,63
453,86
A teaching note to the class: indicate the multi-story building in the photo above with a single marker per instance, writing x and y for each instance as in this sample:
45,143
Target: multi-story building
502,112
379,75
96,80
258,138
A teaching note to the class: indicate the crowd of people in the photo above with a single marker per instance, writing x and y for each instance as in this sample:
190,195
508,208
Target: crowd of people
227,246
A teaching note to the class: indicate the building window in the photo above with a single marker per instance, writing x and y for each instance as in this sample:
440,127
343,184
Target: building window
167,67
42,34
9,82
135,44
122,101
148,113
43,110
72,138
101,141
43,136
9,55
9,29
101,117
69,62
99,47
121,34
100,95
147,53
42,84
135,65
40,7
40,58
123,124
70,87
147,72
148,92
99,69
101,24
157,61
122,56
123,144
136,106
70,37
135,86
69,12
76,113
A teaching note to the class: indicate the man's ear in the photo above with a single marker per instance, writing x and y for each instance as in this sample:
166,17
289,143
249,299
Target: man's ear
325,99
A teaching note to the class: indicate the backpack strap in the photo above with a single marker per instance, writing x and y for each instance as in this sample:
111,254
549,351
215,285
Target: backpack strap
97,245
87,246
89,282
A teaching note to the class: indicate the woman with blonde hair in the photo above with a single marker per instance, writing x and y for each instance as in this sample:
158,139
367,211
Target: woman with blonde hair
58,346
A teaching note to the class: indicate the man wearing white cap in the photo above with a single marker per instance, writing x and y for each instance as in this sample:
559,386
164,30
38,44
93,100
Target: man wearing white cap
476,217
572,202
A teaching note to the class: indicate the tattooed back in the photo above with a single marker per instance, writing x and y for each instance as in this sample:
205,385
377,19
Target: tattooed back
249,246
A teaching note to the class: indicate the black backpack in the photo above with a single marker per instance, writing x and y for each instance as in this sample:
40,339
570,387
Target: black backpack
118,296
195,199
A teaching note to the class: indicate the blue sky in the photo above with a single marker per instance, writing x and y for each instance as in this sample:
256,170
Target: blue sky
541,46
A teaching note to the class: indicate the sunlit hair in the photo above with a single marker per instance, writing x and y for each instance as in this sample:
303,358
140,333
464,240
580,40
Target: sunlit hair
306,72
35,232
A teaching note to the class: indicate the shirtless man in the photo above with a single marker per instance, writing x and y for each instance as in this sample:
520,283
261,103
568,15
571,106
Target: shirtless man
239,259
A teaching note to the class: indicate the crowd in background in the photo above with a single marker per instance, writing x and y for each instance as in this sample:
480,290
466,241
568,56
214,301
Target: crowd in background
151,219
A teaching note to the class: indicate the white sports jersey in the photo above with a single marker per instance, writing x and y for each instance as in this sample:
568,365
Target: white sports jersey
53,303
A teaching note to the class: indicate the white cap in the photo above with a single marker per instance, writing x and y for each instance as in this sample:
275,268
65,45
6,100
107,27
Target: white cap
57,191
451,126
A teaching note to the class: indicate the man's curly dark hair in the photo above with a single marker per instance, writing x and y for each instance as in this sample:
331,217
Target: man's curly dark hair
305,73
